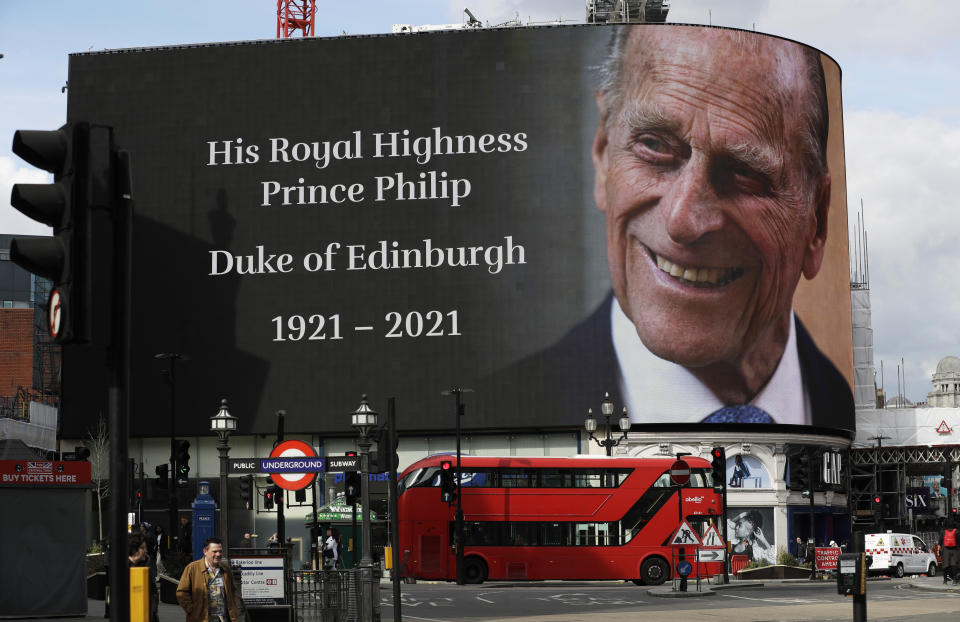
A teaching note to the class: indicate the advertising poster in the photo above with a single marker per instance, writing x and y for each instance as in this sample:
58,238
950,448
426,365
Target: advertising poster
750,531
537,214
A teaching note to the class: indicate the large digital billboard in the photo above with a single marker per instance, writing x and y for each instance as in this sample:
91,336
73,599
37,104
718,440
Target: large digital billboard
542,215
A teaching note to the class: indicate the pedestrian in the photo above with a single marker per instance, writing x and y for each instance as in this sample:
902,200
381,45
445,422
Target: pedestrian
800,551
161,547
330,551
951,554
245,543
139,557
184,542
206,590
273,542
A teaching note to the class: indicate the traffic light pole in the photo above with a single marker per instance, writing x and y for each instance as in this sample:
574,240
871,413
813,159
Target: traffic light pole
119,393
459,515
394,508
174,511
281,521
813,528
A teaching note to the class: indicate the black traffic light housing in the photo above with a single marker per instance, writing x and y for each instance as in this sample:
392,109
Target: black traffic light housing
448,483
719,468
800,471
386,459
351,486
268,498
81,157
163,472
246,491
183,463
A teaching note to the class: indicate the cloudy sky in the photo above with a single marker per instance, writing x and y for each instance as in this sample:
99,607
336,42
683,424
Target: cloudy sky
901,79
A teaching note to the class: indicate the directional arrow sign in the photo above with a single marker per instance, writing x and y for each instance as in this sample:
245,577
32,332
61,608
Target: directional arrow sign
711,555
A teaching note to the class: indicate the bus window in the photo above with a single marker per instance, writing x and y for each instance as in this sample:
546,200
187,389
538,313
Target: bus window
556,478
478,479
588,479
479,533
700,478
428,476
663,481
551,534
615,477
520,478
521,534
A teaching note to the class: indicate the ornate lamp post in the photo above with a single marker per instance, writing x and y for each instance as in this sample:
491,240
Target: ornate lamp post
606,408
223,423
364,421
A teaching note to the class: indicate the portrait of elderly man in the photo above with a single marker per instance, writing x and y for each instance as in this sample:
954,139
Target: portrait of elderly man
710,170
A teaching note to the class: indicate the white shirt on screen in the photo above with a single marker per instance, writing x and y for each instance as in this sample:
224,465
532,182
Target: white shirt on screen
658,391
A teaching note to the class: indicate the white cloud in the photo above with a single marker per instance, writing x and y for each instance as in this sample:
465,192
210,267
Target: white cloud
12,221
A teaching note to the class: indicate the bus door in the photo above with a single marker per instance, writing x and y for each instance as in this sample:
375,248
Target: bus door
434,548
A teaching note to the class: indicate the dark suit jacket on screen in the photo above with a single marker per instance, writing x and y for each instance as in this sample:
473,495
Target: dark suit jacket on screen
556,386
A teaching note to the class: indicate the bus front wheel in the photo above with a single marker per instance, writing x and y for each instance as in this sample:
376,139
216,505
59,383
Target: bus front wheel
474,570
654,571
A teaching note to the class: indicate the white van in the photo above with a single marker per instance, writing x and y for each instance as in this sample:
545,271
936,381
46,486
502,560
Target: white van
899,554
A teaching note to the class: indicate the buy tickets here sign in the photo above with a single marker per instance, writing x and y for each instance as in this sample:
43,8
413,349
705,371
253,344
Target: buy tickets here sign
44,473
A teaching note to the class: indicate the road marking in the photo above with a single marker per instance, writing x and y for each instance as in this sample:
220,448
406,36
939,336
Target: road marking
485,600
782,601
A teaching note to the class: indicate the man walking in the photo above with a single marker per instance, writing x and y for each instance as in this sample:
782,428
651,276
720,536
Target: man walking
206,591
951,554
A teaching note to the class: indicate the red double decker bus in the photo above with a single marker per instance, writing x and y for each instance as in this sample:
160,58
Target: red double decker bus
581,518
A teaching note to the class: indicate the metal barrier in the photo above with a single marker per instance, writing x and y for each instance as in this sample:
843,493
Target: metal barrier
738,563
331,595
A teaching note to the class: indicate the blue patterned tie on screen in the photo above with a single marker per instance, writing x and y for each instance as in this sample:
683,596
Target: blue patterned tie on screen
739,414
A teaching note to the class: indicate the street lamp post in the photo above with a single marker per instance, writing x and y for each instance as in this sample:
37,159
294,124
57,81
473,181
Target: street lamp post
606,409
223,423
364,421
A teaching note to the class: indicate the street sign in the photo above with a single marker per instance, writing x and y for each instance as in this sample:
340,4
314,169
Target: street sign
276,465
343,463
713,537
680,473
711,555
685,535
297,480
684,568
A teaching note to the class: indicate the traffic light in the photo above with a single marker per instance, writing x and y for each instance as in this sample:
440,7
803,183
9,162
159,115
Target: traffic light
269,498
246,490
800,471
719,464
386,459
351,487
300,495
448,484
162,472
81,158
183,463
877,506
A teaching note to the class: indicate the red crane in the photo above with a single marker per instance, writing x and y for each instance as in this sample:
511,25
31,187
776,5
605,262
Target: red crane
294,15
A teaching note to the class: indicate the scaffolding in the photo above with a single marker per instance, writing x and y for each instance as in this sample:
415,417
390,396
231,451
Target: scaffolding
627,11
884,473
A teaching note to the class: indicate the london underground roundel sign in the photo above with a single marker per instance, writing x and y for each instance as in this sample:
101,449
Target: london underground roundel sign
292,449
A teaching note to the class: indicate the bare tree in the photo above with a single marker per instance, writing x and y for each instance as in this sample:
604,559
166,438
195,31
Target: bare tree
98,442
